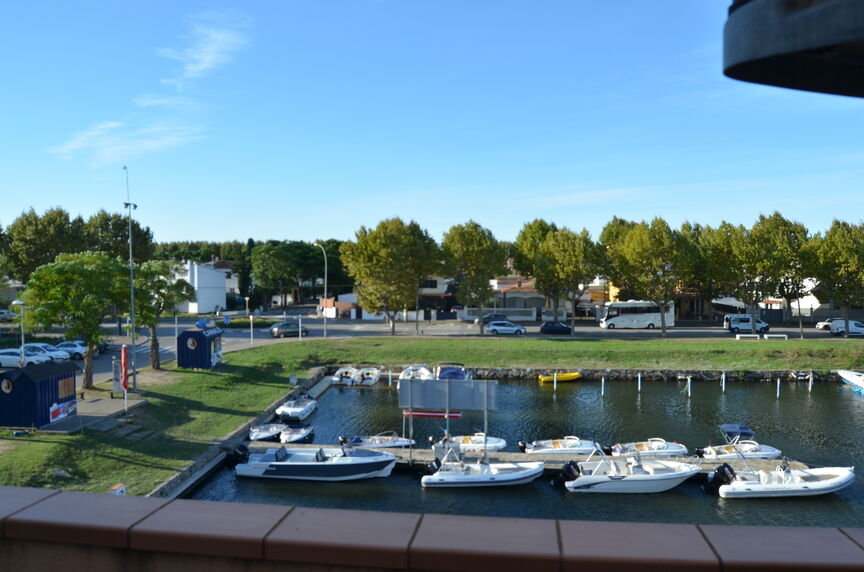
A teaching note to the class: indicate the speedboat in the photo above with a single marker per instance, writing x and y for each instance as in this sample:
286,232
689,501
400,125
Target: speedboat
379,441
780,482
654,447
452,370
367,376
853,379
266,432
297,408
739,444
417,371
628,475
566,376
344,376
297,433
476,443
452,471
569,445
311,464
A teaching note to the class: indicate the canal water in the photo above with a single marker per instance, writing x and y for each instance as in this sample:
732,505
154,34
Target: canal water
822,428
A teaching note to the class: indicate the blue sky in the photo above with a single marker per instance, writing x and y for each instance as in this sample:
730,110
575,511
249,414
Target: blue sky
305,120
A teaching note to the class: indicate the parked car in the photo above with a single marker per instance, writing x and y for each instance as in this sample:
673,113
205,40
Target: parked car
46,350
555,328
743,324
76,350
7,315
838,327
287,329
826,324
490,318
12,357
104,346
504,327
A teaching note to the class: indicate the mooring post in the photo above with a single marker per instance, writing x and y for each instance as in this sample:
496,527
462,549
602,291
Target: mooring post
810,383
602,386
555,381
723,382
390,378
778,388
688,387
639,383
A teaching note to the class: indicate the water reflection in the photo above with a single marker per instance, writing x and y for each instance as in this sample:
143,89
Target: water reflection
820,428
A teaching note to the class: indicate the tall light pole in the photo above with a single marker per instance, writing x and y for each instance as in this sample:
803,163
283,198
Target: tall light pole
22,304
325,286
130,205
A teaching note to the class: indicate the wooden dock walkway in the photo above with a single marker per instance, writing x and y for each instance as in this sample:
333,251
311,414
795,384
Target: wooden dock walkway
416,459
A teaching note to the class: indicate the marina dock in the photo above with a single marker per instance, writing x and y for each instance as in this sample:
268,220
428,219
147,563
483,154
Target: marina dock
416,459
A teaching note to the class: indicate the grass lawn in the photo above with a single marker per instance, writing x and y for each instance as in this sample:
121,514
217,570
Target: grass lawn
186,416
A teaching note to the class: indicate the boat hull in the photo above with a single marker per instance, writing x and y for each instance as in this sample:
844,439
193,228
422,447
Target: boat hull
492,475
475,444
628,484
296,411
368,464
568,376
751,486
563,446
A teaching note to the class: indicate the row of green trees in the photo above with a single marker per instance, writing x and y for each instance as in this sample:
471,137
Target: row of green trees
775,257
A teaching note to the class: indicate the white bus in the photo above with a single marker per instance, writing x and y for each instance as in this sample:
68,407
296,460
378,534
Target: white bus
634,314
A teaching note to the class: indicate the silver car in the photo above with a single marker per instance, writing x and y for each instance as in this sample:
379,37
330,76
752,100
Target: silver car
12,358
47,350
504,327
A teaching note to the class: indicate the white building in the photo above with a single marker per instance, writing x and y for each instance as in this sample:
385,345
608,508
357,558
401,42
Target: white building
210,287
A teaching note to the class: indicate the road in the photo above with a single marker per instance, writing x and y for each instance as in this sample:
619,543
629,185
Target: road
234,339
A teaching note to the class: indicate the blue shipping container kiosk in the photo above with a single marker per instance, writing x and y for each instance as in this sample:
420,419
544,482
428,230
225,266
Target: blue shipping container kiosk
37,395
199,349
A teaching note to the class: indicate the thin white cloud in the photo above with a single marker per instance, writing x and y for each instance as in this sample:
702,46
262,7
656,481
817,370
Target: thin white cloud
112,142
212,43
596,196
153,100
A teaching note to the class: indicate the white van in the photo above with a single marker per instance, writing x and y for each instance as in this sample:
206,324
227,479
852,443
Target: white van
741,323
838,327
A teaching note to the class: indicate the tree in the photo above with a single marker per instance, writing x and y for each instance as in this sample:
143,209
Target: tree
756,268
793,258
530,261
709,274
615,266
577,262
109,233
35,240
657,258
269,268
78,291
157,290
473,257
839,266
388,263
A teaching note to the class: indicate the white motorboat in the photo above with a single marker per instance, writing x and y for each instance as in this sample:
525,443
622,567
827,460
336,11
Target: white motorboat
344,376
417,371
317,464
297,408
652,448
569,445
266,432
852,378
379,441
739,444
627,475
297,433
452,471
780,482
367,376
476,443
452,370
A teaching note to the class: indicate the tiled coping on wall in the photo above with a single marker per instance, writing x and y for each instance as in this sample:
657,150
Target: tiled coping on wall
44,529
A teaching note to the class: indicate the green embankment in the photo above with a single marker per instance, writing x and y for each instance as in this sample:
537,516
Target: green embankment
195,409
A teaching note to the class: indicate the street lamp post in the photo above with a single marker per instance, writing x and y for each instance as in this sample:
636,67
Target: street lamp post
247,304
325,286
130,205
22,304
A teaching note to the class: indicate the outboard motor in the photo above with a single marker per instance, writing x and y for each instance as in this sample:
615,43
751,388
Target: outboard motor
722,475
342,440
569,472
239,454
522,446
607,449
433,465
700,452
